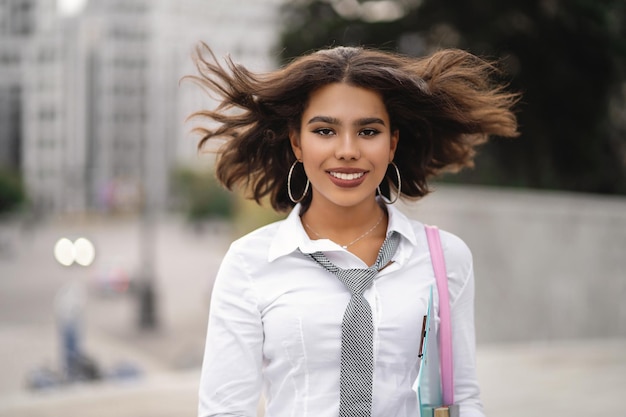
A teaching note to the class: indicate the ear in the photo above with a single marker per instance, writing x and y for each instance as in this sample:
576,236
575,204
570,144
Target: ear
294,139
393,145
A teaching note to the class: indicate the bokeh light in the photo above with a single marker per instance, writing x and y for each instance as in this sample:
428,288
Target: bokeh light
81,251
85,252
64,252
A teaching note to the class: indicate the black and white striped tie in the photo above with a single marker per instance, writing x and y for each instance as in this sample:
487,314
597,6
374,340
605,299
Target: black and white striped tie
357,332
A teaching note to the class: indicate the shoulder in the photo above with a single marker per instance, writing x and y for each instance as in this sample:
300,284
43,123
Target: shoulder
242,262
251,251
263,234
255,243
459,263
455,250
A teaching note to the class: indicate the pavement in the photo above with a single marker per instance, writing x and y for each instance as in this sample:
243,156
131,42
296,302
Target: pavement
573,378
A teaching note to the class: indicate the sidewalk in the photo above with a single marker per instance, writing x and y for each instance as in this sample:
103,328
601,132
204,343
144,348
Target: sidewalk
156,395
561,379
572,379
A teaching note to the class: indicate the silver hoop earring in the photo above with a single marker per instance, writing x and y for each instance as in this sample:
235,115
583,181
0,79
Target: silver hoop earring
306,187
399,185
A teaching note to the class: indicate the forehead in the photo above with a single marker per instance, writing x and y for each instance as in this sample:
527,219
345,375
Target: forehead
345,101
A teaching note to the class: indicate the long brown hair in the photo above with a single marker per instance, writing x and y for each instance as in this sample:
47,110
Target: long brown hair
443,105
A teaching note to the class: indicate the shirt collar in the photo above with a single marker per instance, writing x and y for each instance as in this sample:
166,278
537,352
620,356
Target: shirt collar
291,235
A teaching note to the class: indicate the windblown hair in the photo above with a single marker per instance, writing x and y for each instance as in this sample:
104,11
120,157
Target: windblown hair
443,105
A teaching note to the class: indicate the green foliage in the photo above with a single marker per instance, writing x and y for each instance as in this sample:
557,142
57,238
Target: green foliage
200,196
12,194
568,58
250,216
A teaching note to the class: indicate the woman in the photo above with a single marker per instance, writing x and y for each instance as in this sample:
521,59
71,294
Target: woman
337,137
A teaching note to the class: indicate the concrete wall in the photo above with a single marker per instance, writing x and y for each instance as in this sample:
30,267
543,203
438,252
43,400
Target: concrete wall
548,265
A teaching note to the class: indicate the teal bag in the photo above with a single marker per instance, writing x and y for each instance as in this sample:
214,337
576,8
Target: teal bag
429,392
428,378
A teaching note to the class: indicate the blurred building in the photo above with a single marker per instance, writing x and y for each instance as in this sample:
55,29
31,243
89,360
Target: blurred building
116,53
53,144
16,27
91,108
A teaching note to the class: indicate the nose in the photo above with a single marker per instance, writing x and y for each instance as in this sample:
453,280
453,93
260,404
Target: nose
347,147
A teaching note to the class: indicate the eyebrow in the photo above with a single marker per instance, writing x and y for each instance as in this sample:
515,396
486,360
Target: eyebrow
334,121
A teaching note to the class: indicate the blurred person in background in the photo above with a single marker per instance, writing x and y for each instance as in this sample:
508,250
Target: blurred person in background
335,138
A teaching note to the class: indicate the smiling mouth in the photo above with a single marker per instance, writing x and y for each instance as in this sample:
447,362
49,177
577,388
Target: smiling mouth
347,176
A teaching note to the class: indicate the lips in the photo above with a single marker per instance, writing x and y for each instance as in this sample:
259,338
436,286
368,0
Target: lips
347,177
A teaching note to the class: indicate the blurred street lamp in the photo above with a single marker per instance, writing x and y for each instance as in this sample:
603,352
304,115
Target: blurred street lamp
145,281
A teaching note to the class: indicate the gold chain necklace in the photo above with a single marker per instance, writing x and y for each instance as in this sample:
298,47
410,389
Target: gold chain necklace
355,240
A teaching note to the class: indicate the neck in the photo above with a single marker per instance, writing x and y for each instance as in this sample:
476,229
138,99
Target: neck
341,224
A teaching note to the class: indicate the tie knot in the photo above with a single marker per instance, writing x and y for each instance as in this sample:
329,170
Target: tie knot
357,280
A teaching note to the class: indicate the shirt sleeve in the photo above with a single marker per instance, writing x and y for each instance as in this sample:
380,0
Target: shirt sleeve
461,282
230,382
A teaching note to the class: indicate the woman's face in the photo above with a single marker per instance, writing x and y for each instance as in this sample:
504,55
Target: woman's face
345,144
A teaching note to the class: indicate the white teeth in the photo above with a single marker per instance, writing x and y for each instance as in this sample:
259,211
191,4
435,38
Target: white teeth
345,176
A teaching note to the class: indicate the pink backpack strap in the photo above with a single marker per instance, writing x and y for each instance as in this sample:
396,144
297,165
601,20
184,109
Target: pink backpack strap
445,328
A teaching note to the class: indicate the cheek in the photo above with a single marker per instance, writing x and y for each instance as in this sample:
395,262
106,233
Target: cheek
384,151
314,150
310,157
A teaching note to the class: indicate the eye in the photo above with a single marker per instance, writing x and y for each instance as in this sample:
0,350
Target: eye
324,131
369,132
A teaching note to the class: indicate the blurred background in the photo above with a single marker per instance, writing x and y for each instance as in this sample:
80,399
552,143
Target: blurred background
112,226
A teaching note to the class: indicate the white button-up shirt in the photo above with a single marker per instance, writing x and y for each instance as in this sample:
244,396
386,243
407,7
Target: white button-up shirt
275,324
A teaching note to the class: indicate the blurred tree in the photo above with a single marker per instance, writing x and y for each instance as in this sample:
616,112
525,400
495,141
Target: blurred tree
11,191
567,57
201,197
